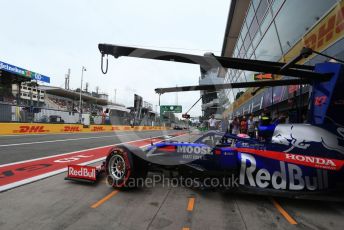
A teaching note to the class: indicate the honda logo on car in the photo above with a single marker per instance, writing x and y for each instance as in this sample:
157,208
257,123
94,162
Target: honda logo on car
82,172
320,162
310,161
289,176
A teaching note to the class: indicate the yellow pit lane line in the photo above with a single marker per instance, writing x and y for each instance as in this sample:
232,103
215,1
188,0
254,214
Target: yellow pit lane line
284,213
191,204
103,200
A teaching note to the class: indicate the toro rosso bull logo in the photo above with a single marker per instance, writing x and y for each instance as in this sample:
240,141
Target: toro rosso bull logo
301,136
289,176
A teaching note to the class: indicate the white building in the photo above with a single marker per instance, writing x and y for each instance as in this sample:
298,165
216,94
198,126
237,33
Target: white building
29,94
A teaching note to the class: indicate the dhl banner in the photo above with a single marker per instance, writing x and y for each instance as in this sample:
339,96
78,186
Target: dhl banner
322,35
325,33
39,128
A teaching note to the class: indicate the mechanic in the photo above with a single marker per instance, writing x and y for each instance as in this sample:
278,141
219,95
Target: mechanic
243,125
212,123
265,118
251,126
225,124
235,126
266,128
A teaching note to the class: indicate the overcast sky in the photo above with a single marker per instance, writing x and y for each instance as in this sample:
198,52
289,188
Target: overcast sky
49,37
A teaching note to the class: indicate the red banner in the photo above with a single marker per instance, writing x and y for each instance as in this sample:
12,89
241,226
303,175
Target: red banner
82,172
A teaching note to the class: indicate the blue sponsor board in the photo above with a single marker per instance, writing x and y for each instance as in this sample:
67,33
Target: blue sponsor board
23,72
40,77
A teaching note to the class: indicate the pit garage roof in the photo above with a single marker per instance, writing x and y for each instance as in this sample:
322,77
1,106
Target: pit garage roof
72,95
236,16
12,78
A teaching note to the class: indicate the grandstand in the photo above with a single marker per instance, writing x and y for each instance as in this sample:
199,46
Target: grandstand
68,100
28,94
22,99
94,103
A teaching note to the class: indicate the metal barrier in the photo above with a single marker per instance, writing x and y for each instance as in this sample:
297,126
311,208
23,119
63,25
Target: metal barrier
13,113
40,128
5,112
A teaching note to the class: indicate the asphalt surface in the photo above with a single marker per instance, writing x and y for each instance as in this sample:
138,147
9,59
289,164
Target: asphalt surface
57,204
16,148
54,203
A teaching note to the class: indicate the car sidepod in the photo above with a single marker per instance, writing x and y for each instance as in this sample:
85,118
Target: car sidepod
281,171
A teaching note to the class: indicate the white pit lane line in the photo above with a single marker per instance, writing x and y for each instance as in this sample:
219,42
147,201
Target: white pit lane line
62,140
70,133
53,173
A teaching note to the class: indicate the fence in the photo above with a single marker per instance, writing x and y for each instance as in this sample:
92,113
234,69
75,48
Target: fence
13,113
5,112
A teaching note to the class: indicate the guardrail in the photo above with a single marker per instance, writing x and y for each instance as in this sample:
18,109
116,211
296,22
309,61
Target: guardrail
39,128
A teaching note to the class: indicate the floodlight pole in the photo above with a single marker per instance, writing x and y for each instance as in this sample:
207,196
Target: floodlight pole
80,101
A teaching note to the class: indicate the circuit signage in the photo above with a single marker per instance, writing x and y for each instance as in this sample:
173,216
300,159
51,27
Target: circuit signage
23,72
261,76
170,108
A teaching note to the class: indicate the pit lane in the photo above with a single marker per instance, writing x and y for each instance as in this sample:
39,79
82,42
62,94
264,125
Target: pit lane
53,203
24,147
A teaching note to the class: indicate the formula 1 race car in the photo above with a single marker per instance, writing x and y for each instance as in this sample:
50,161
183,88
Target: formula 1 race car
262,167
299,169
294,160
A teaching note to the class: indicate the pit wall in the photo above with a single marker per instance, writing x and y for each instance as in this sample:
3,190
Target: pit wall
39,128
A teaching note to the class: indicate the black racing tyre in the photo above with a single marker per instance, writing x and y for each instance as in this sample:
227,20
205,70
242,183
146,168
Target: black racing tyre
124,169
